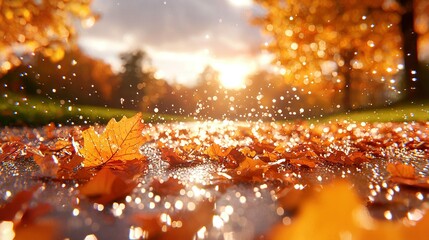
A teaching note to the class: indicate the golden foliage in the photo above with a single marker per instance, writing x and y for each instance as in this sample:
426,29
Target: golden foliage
320,41
45,26
120,141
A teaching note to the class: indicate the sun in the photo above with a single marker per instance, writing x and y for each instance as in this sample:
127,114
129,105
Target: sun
233,75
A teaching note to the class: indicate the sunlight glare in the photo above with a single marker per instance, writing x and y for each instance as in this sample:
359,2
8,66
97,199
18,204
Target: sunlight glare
233,75
240,3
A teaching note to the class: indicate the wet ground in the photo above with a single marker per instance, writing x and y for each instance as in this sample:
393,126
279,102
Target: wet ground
241,210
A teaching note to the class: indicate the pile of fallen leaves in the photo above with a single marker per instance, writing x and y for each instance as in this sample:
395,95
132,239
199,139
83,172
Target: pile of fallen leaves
107,163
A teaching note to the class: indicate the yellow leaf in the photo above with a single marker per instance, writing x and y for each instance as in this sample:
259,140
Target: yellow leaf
120,141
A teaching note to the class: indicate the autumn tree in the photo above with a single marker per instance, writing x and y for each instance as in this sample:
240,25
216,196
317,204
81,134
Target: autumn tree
332,41
39,26
131,75
76,78
176,99
209,94
139,87
411,12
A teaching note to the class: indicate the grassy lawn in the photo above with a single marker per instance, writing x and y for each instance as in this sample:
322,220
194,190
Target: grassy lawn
15,110
397,113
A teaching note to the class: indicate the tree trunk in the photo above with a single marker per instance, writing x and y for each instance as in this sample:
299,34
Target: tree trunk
413,84
346,73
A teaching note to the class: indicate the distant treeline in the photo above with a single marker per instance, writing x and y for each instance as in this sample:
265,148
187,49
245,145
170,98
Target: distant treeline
80,79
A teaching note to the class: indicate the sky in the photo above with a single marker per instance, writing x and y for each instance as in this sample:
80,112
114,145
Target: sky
181,37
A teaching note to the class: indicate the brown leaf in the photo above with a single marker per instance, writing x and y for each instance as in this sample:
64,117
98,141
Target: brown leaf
401,170
18,203
290,199
250,170
48,164
150,223
70,162
171,186
129,170
335,211
416,183
250,165
273,174
69,168
61,144
269,157
353,158
261,147
233,159
215,151
10,150
248,152
303,161
189,222
41,230
106,187
120,141
358,157
338,157
172,157
17,210
32,214
49,130
405,175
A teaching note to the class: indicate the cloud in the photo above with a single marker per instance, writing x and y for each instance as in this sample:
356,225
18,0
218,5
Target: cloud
177,24
174,28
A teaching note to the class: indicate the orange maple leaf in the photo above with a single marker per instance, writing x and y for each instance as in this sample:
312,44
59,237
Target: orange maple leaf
120,141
